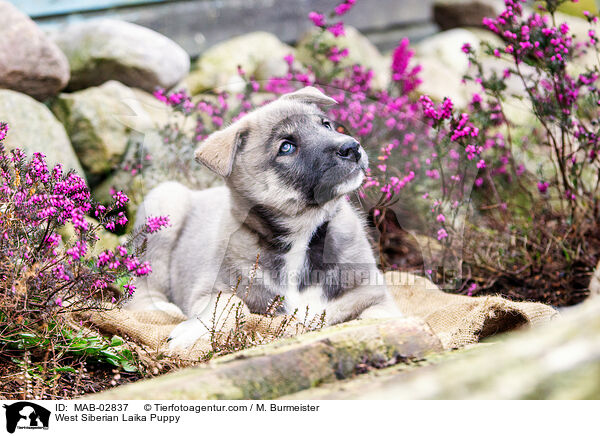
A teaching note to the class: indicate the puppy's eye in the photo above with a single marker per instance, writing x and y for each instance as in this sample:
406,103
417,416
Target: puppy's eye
286,148
327,124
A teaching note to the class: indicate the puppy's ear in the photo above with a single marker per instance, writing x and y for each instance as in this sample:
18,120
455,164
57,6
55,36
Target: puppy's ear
310,94
217,152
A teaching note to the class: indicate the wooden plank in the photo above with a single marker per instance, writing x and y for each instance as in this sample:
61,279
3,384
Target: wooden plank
43,8
196,25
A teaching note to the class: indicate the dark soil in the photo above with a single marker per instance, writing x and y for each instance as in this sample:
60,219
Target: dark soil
554,282
88,378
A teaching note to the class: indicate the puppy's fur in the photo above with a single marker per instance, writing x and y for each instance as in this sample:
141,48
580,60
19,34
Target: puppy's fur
289,208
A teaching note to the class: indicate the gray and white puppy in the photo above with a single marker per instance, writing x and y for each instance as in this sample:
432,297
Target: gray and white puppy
287,172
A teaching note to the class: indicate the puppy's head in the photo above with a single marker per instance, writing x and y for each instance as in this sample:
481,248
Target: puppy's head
286,154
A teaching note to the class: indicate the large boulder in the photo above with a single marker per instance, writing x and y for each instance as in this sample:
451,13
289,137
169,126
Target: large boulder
34,128
100,122
446,47
449,14
360,51
106,49
30,62
440,81
260,54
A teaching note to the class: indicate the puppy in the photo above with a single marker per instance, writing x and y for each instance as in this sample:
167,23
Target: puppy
287,173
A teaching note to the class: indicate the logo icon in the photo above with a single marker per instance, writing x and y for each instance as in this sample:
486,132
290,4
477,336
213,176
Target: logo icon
26,415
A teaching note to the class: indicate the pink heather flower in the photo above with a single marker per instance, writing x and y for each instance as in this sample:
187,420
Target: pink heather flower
428,107
442,234
441,218
104,258
337,29
78,250
159,94
121,219
317,19
129,288
401,72
472,289
143,269
343,8
446,110
120,198
154,224
3,130
289,59
481,164
543,187
60,273
478,182
58,302
466,48
336,55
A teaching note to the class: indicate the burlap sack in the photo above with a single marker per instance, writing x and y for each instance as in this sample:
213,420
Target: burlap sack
457,320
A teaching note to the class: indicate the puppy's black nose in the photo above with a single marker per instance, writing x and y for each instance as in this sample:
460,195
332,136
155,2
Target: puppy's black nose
350,150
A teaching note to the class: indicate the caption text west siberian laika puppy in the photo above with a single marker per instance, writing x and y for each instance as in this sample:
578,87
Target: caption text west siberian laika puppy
287,172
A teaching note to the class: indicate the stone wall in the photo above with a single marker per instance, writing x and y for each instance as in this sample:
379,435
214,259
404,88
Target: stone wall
199,24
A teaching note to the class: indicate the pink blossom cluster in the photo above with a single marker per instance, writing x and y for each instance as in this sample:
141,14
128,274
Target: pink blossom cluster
344,8
119,257
178,99
403,73
337,29
156,223
36,202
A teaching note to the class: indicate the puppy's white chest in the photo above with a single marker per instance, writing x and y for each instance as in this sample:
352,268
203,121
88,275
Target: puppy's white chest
309,301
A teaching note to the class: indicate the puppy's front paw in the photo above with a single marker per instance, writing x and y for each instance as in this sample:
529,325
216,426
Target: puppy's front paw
380,311
185,334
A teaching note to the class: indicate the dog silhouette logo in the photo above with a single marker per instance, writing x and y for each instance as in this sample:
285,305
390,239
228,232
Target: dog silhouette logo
26,415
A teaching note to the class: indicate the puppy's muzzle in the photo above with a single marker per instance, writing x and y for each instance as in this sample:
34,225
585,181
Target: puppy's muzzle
350,150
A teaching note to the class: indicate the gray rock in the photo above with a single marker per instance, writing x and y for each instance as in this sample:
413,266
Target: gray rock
30,62
449,14
360,51
260,54
440,81
105,49
35,129
446,48
100,122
